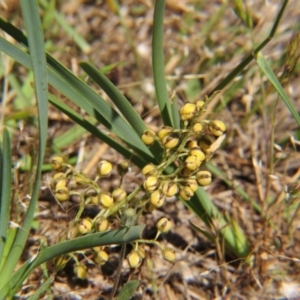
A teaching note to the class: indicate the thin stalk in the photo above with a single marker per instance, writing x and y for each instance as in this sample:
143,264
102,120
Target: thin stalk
117,207
251,56
4,91
118,273
271,153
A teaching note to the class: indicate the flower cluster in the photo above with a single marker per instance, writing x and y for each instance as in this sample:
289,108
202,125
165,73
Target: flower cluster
180,173
185,152
67,182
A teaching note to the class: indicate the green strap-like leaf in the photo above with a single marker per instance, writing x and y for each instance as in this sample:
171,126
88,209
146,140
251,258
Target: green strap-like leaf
78,92
118,98
128,290
204,208
42,289
124,235
5,188
265,67
158,64
87,125
9,240
123,105
175,112
38,65
86,98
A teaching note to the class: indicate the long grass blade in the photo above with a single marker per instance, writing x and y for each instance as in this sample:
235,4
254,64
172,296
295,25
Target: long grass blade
124,235
42,289
86,98
82,95
5,188
38,63
158,64
265,67
79,92
203,207
89,126
9,240
175,112
119,100
122,104
128,290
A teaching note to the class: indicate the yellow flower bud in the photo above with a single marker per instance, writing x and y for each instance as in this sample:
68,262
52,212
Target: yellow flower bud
148,137
192,162
157,198
100,257
62,194
197,152
80,271
123,167
166,130
150,169
205,142
134,259
186,193
188,111
150,207
57,162
91,196
170,188
58,176
119,194
62,183
186,172
199,105
191,144
203,177
216,127
84,226
192,183
163,225
197,128
102,224
151,183
170,141
169,254
104,168
106,200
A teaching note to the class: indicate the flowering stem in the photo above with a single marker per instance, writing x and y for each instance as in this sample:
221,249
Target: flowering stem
118,273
